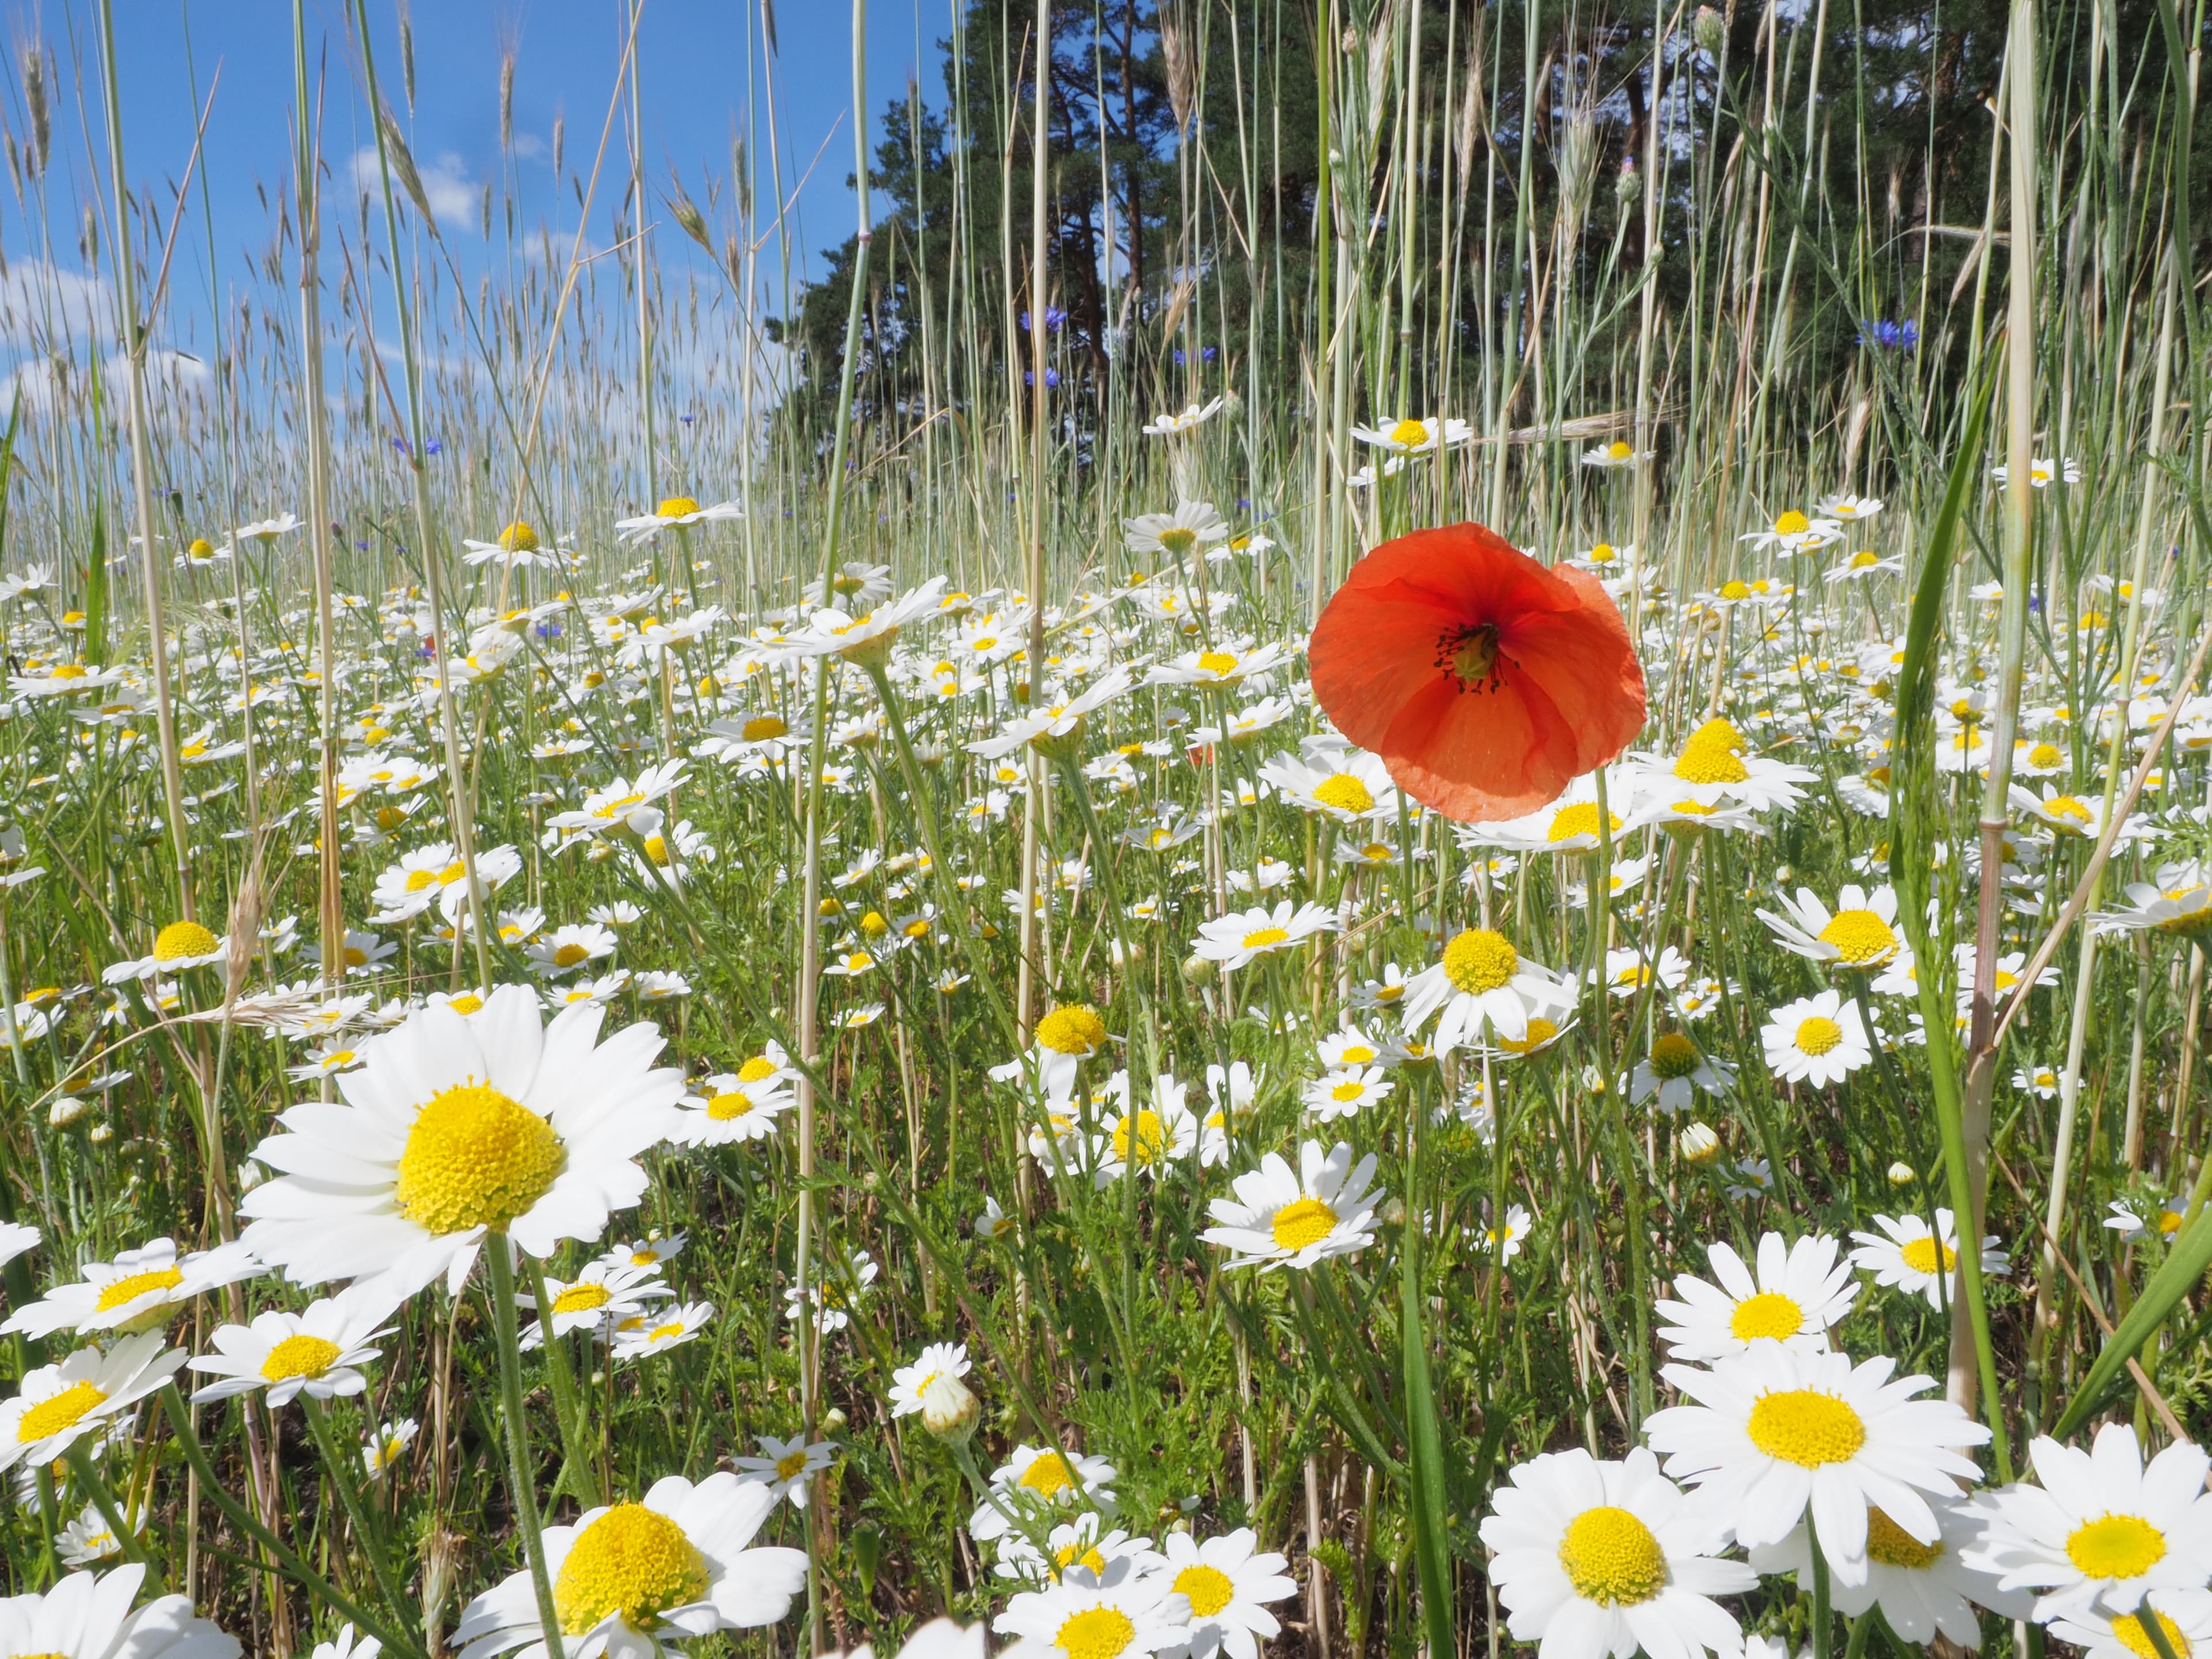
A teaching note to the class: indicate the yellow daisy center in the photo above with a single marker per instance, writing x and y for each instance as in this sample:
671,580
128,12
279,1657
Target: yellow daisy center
758,1069
1611,1558
1768,1313
790,1464
1734,590
1792,523
519,538
180,939
662,1332
1807,1427
724,1107
1076,1555
1302,1223
1208,1589
1096,1633
116,1292
1344,793
569,954
1540,1032
632,1561
1619,450
2127,1628
1919,1254
583,1299
1409,435
676,507
1673,1055
1891,1545
467,1003
1580,819
1480,959
1177,539
2045,753
1151,1138
1047,1474
63,1410
1217,662
300,1355
69,671
418,879
2116,1546
475,1157
1073,1028
1860,936
1709,763
1259,938
1818,1035
761,728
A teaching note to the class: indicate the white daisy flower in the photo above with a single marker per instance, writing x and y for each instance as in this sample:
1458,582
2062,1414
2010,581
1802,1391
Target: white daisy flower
88,1616
1819,1039
787,1467
90,1538
569,947
1482,981
2185,1619
319,1353
1228,1582
1794,532
179,945
1672,1071
2042,471
1279,1219
631,1581
456,1127
1121,1614
2123,1220
910,1382
600,1299
1923,1590
16,1239
1776,1431
381,1452
1347,785
1596,1560
655,1249
725,1108
1235,940
1847,508
1088,1543
641,1335
1506,1244
1348,1093
136,1292
1860,933
2101,1531
1917,1261
59,1404
1619,453
1798,1291
1040,1479
1192,525
674,512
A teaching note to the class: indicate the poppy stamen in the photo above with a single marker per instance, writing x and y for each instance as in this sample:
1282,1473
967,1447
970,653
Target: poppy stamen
1471,656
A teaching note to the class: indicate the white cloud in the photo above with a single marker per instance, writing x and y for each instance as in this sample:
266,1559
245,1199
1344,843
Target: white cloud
455,199
41,303
172,378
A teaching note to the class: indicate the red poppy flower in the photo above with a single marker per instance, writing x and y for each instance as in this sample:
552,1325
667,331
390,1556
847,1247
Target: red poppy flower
1487,681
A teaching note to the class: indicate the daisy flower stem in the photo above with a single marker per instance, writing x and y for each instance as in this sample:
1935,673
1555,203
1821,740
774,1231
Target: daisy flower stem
338,1464
180,1423
82,1466
501,1298
1861,1629
567,1407
46,1504
1821,1617
2153,1626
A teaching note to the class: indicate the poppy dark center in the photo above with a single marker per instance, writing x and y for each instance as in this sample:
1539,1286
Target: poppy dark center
1471,655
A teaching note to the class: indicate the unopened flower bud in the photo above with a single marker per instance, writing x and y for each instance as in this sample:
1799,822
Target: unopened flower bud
1709,29
949,1409
65,1111
1697,1144
1198,970
1902,1174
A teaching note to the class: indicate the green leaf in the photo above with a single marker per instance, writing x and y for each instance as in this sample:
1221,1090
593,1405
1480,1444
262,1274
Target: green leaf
1426,1456
2186,1264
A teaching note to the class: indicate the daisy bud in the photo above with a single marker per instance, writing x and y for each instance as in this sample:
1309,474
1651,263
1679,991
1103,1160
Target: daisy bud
1697,1144
949,1410
1902,1174
1198,970
64,1111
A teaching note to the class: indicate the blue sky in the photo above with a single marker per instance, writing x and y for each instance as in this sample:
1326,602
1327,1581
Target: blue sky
693,59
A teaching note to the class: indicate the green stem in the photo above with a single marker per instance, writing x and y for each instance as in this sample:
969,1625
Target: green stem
338,1468
581,1478
1821,1618
500,1295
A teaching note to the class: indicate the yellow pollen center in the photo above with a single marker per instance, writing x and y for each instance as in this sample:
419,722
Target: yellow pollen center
1818,1035
1540,1032
583,1299
1344,793
519,538
467,1003
723,1107
1217,662
418,879
790,1464
1150,1137
1734,590
2116,1546
676,507
1769,1314
1861,937
758,1069
761,728
51,1417
569,954
1792,523
300,1355
180,939
1580,819
1348,1091
1611,1558
1302,1223
1805,1427
116,1292
1619,450
1177,539
1709,763
475,1157
1047,1474
452,873
1480,959
1261,938
69,671
633,1561
2129,1628
1208,1589
1865,559
1071,1029
1409,435
2045,753
1096,1633
1673,1055
1891,1545
1919,1254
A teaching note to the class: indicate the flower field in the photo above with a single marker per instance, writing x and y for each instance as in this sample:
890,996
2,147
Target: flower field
1475,923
